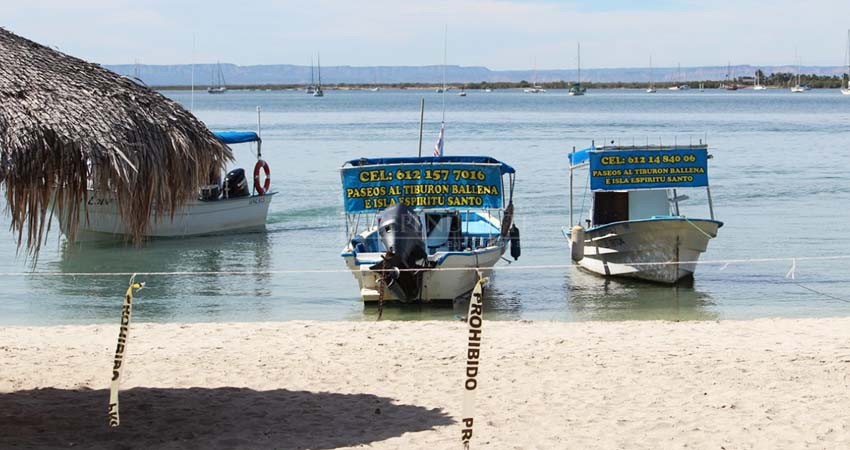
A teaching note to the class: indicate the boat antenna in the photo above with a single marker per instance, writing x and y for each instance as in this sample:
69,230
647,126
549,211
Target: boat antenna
192,95
421,122
259,152
445,47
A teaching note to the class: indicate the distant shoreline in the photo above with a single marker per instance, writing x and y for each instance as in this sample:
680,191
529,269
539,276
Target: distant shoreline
814,82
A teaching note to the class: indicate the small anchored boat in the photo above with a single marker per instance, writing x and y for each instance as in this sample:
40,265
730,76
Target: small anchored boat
423,229
635,227
220,207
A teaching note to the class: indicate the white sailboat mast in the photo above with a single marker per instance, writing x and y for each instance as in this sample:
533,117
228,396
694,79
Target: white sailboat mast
848,60
578,62
445,50
650,71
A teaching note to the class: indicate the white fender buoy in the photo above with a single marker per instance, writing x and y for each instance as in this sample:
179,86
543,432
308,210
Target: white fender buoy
577,243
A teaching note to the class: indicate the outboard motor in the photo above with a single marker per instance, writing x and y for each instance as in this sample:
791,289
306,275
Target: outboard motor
235,184
401,233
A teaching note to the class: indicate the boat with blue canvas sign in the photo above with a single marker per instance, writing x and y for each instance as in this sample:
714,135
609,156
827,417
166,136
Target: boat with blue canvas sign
221,206
635,227
423,229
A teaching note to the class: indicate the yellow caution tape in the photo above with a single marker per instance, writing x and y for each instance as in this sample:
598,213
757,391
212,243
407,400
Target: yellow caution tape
120,349
475,320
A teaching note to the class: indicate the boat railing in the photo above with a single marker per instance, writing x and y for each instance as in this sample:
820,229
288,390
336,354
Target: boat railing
356,223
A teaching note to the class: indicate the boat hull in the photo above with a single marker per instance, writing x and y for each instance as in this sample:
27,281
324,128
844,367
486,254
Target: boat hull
100,219
658,250
454,274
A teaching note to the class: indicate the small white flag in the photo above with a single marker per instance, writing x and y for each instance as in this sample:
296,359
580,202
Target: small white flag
438,147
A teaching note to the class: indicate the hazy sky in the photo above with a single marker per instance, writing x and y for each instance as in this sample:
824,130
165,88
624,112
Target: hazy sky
503,34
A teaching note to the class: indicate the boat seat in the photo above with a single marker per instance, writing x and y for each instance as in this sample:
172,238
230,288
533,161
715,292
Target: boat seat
438,235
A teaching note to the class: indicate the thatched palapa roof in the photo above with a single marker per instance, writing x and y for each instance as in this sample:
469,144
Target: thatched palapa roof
58,114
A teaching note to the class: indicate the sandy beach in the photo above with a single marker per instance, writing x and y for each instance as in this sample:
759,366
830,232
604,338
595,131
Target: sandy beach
768,383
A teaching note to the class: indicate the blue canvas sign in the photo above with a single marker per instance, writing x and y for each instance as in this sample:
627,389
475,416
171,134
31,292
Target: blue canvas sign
615,170
423,186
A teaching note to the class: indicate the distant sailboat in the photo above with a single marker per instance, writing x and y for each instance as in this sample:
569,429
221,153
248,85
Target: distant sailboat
577,88
846,89
651,88
376,87
758,86
678,77
318,92
798,88
534,89
217,83
730,79
684,86
312,86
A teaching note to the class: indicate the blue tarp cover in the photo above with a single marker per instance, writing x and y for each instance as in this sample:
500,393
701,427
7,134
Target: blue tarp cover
236,137
432,159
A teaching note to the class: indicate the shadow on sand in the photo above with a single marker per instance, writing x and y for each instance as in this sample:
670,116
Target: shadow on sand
154,418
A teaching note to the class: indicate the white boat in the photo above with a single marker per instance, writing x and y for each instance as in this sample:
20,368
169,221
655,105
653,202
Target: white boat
758,86
577,88
425,229
196,218
635,227
651,88
534,88
798,88
217,85
218,208
684,86
846,88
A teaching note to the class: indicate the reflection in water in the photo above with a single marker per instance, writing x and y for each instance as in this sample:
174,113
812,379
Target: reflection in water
498,304
591,297
412,311
165,296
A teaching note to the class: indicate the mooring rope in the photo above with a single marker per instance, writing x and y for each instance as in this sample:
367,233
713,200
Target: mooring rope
724,262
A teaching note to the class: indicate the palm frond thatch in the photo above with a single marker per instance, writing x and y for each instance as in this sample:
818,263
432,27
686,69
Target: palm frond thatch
60,114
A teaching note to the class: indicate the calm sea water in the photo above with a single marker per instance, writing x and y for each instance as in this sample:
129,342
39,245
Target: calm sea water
779,182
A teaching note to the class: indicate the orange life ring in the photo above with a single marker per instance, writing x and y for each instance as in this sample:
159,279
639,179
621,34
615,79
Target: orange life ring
265,187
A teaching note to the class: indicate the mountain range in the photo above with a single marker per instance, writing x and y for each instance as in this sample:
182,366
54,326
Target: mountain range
182,75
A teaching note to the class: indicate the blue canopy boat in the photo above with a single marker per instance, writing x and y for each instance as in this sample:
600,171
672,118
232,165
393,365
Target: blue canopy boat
423,229
634,226
221,207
